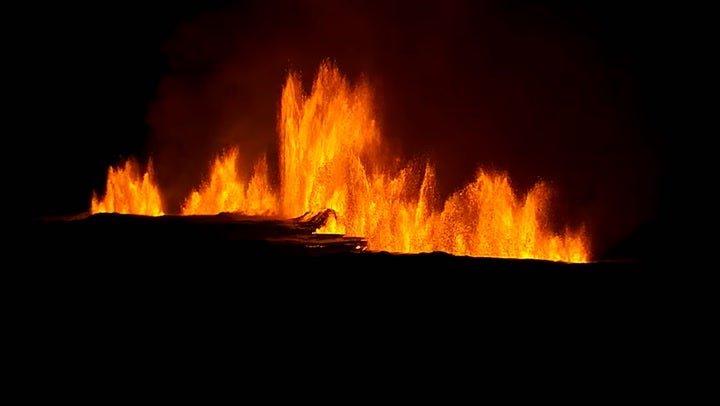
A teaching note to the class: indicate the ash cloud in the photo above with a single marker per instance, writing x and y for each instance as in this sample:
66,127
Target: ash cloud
513,86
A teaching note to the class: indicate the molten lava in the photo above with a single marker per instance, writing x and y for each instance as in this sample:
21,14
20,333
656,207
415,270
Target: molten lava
127,191
226,192
322,137
327,139
329,159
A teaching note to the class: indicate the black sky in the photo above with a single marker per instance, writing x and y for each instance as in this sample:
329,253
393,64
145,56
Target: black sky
575,93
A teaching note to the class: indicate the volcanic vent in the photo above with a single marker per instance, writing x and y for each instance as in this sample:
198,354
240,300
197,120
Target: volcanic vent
331,166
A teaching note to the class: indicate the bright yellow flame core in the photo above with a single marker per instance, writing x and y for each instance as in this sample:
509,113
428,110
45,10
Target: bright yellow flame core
329,139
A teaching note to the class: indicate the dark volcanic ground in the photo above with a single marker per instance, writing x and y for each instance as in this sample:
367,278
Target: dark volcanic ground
114,307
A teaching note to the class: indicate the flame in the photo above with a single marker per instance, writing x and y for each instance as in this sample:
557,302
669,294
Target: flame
128,192
329,159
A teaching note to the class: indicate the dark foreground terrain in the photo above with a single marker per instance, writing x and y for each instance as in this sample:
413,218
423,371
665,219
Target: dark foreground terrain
114,307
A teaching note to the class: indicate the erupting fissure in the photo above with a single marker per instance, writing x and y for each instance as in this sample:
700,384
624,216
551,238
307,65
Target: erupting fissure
328,143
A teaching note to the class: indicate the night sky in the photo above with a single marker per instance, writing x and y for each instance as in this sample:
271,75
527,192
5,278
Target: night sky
574,93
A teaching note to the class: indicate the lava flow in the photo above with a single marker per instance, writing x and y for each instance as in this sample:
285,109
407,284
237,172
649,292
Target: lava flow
329,159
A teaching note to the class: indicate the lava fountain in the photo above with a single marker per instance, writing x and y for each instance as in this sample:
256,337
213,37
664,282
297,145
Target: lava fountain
329,158
329,137
226,192
128,191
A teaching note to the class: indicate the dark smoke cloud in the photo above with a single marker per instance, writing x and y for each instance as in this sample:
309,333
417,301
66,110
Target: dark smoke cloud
513,86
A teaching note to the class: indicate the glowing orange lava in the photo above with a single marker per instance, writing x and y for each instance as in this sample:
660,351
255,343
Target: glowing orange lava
226,192
128,191
329,140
